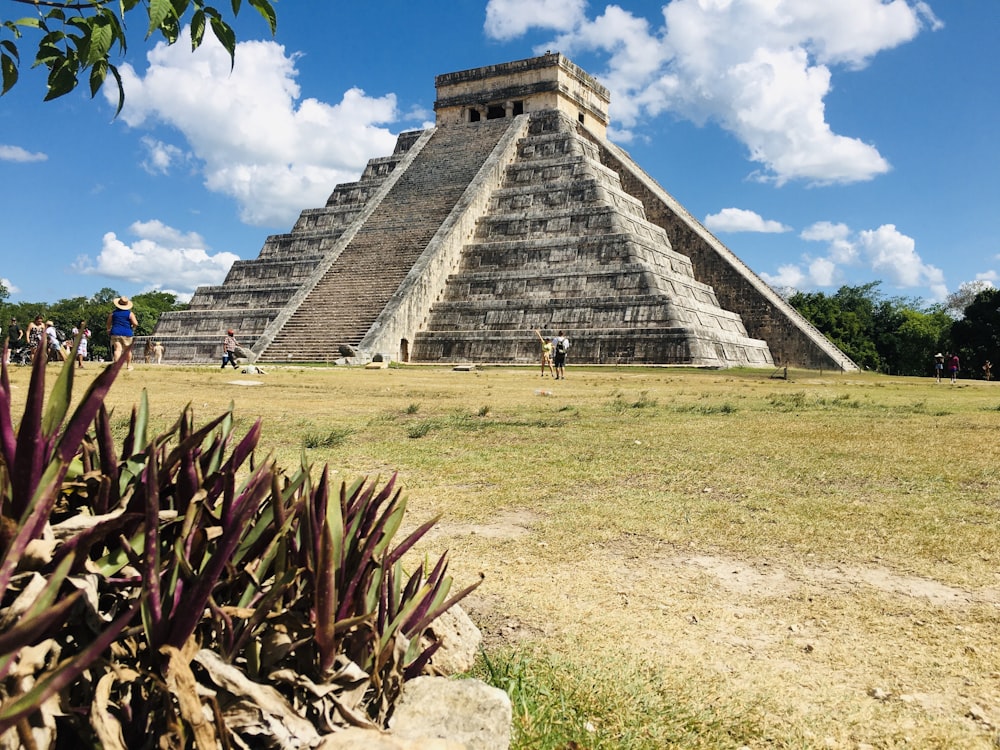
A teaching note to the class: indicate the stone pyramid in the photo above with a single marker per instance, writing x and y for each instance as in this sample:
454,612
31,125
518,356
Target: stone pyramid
514,213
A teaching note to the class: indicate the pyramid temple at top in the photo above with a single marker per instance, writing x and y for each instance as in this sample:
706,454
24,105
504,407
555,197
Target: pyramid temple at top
513,213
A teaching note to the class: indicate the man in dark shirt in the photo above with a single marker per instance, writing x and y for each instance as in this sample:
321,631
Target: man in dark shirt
14,335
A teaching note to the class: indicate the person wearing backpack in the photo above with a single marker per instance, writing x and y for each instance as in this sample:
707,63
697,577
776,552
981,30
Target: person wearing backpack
560,345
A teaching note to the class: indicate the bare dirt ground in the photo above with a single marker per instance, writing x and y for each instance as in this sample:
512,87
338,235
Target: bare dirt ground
837,657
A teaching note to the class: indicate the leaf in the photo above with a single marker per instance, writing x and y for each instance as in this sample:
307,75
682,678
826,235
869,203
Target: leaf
64,674
267,11
61,81
97,75
227,37
121,91
102,36
159,12
9,68
197,29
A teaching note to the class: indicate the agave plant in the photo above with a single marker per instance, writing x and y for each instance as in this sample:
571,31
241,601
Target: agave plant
179,588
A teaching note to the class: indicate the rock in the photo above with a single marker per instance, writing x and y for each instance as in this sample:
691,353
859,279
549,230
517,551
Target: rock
373,739
345,350
460,641
878,694
467,711
976,713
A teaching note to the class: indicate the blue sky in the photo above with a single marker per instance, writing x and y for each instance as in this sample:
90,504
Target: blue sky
825,143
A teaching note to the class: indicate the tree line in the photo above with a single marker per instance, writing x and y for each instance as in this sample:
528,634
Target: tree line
66,314
900,336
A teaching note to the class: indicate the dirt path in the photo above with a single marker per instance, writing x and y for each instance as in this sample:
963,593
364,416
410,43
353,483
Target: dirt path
844,656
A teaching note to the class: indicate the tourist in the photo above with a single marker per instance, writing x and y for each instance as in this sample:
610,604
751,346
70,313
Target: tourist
121,325
560,345
54,345
229,345
158,353
81,349
14,336
988,370
938,366
36,333
953,367
546,354
147,352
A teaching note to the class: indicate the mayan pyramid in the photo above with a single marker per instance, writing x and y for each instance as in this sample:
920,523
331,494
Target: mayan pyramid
513,213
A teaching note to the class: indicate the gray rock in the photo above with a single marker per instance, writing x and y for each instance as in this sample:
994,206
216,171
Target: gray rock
468,711
460,641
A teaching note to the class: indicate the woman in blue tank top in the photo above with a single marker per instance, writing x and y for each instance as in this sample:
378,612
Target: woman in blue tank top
121,325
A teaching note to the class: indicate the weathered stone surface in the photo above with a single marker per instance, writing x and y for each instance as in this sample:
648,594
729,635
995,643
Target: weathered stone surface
514,213
372,739
468,711
460,640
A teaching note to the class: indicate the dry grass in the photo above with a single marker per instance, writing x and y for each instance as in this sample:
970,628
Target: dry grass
815,559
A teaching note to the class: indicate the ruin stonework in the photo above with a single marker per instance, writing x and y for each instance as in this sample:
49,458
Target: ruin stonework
514,213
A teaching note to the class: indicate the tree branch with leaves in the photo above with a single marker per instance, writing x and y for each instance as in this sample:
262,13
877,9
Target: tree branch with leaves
79,37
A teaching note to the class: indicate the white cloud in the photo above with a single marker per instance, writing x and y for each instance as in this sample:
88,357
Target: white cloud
160,156
760,69
10,285
506,19
255,140
788,276
886,251
742,220
161,257
18,154
893,253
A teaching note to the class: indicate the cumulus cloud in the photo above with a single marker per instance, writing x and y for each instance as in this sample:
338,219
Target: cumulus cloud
886,251
16,153
742,220
160,257
11,287
507,19
760,70
253,137
160,156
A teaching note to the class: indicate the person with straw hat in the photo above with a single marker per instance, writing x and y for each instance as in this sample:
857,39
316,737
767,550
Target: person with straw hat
121,325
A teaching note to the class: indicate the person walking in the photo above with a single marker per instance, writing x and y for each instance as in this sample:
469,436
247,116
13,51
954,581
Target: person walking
953,366
121,325
55,350
560,345
81,349
938,366
987,370
158,353
546,354
229,344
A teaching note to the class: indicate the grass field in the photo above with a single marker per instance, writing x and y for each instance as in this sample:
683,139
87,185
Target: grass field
680,558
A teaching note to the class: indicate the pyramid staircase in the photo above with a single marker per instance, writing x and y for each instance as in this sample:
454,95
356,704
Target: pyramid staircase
343,304
256,292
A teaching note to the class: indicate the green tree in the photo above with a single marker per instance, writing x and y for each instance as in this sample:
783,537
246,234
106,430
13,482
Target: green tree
846,318
909,345
893,335
976,337
77,37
